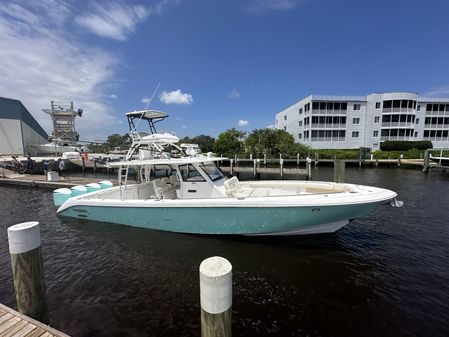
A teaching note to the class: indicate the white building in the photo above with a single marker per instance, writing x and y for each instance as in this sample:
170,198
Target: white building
349,122
18,129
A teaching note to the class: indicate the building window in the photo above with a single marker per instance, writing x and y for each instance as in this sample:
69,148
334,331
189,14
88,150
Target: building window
419,108
299,135
377,105
285,128
285,117
376,119
417,120
356,121
355,134
307,107
356,106
416,134
300,123
300,110
375,134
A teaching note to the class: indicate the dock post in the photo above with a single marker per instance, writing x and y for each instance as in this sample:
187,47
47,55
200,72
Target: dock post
254,168
264,159
339,170
216,297
309,168
83,164
27,268
297,160
231,166
95,166
426,161
250,156
441,156
281,166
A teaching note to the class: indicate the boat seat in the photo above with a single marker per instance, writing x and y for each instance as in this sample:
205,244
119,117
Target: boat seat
164,189
232,187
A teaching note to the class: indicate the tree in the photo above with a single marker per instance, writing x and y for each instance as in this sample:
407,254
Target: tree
229,142
272,142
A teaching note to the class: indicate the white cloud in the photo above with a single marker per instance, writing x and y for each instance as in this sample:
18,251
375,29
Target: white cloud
243,122
112,96
116,20
259,6
146,100
234,93
442,91
175,97
42,62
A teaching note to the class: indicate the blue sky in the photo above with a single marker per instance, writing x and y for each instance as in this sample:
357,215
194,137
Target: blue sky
221,64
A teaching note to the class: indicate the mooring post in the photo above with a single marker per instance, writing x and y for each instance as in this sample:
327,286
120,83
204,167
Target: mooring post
339,170
441,156
254,168
426,161
83,164
27,269
264,159
216,297
281,166
308,168
95,166
297,160
250,156
231,166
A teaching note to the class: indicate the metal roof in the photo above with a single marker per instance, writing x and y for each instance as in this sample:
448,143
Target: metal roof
14,109
147,114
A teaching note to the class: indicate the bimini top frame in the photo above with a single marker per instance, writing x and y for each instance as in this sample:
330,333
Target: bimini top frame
152,116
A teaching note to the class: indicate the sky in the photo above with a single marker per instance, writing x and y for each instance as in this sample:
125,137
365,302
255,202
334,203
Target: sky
220,64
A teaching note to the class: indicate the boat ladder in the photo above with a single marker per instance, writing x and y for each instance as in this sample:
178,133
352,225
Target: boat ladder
123,178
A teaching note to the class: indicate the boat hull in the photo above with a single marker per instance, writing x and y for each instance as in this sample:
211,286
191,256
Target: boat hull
292,220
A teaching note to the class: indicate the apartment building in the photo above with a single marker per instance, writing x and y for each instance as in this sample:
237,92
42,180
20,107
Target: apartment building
348,122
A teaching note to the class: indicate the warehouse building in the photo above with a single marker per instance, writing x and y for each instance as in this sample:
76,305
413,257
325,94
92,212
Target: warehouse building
18,129
349,122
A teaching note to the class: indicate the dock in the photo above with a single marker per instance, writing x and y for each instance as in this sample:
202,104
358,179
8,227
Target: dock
15,324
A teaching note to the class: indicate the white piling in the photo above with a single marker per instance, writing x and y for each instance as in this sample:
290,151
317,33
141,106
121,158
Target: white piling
216,297
28,272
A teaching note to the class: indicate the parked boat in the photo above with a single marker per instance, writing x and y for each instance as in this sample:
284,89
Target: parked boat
190,194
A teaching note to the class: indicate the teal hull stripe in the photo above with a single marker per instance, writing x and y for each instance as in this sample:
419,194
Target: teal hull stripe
220,220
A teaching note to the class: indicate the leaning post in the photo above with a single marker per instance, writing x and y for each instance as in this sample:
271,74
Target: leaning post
339,170
231,166
27,268
216,297
426,161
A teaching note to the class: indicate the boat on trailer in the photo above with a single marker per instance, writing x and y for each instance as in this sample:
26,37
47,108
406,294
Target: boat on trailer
190,194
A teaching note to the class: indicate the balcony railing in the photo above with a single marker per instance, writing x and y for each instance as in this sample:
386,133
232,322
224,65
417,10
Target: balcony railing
397,124
396,137
398,110
328,126
327,139
437,113
329,112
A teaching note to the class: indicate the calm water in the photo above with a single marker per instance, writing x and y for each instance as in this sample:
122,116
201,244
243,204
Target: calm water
383,275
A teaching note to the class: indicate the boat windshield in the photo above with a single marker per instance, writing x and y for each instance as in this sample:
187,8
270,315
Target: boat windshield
212,171
190,174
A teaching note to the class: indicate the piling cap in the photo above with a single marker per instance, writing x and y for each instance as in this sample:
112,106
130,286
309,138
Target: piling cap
215,285
63,191
94,185
79,188
24,237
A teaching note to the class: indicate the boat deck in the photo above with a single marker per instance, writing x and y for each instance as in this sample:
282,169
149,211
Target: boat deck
15,324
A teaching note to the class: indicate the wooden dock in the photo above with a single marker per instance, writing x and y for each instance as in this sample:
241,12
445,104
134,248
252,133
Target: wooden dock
15,324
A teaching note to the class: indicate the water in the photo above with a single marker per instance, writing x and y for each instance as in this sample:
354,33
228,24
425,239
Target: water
384,275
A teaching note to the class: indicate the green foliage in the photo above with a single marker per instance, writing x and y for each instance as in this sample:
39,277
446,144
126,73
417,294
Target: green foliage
272,142
205,142
229,142
113,141
393,145
336,153
410,154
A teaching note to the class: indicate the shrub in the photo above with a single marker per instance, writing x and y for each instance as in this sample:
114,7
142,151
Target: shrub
393,145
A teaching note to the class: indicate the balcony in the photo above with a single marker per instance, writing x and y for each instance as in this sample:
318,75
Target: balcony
396,138
437,113
327,139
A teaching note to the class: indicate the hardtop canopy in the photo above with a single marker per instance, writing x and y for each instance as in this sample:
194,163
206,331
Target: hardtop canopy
147,114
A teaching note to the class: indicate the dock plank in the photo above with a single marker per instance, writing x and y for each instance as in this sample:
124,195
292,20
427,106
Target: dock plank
15,324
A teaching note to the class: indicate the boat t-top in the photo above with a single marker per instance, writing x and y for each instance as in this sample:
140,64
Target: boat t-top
190,194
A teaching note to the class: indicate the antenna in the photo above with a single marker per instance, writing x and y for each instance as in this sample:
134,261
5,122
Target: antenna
146,107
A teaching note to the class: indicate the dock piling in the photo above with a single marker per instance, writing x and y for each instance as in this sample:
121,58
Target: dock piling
28,272
309,168
339,170
281,167
216,297
231,166
254,168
